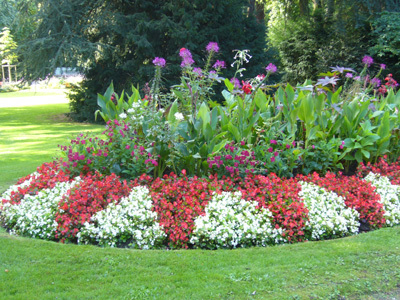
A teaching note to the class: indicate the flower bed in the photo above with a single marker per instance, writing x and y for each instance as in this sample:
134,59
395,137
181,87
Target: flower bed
182,212
259,167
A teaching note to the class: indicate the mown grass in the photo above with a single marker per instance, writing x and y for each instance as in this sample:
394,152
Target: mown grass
30,135
353,267
31,93
366,266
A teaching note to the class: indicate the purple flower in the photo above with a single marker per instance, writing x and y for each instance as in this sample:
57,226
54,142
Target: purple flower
159,62
274,142
367,60
375,82
349,75
198,71
219,64
187,59
271,68
212,47
383,66
357,78
235,82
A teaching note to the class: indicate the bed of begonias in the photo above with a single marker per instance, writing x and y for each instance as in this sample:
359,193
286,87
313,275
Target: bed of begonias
270,164
182,212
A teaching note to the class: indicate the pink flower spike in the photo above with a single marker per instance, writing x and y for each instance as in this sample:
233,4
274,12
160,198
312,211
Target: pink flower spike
271,68
212,47
367,60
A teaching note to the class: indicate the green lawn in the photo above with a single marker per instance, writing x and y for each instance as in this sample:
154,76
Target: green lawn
366,266
30,135
32,93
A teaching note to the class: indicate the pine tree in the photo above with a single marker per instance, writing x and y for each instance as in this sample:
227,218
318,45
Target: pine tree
117,40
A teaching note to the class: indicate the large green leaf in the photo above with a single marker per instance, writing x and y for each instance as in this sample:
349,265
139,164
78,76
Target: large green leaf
172,111
204,114
235,132
260,100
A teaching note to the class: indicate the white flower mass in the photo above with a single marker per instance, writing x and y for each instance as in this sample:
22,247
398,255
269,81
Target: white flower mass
389,197
130,223
35,215
231,222
327,212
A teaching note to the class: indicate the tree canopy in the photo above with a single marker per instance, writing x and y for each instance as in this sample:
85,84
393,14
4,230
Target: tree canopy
117,40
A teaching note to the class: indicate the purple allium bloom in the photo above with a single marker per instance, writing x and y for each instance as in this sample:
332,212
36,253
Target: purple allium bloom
219,64
159,61
375,82
349,75
236,83
271,68
367,60
383,66
187,59
212,47
198,71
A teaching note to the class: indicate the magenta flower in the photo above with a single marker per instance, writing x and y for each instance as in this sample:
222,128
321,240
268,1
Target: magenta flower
383,66
212,47
367,60
219,64
236,83
159,62
375,82
272,159
187,59
349,75
198,71
274,142
271,68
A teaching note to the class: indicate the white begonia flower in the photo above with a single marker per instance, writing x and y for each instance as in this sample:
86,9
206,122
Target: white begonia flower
390,197
130,222
123,116
178,116
222,226
328,214
35,215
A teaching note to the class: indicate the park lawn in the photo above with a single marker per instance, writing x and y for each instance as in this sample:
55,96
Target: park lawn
30,135
32,93
355,267
366,266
